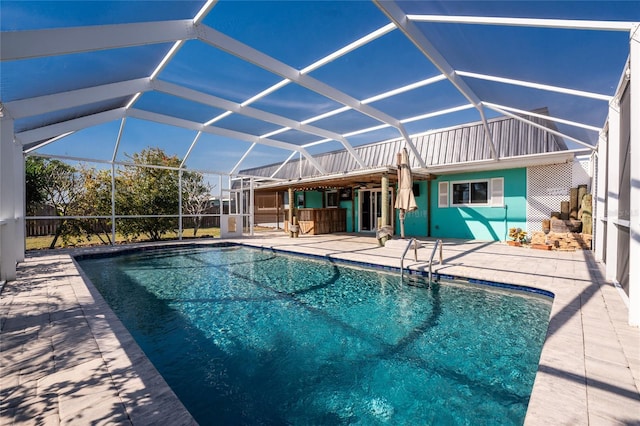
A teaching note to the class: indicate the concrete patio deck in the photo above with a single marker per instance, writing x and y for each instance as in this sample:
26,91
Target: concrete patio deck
66,358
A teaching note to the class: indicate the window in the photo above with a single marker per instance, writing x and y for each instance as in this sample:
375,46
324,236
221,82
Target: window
331,199
443,194
488,192
469,192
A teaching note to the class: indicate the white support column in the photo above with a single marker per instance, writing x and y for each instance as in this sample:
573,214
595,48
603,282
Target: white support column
613,189
180,204
634,218
20,203
600,219
251,205
8,191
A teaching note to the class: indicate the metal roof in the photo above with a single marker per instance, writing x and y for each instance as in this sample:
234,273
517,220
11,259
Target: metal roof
230,85
513,137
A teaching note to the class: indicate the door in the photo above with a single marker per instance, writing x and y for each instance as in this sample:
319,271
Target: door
371,209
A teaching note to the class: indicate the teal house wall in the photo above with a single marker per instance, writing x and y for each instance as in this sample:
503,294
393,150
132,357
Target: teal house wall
415,222
313,200
488,223
482,223
348,205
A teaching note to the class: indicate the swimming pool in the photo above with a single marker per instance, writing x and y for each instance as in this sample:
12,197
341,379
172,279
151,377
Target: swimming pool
249,336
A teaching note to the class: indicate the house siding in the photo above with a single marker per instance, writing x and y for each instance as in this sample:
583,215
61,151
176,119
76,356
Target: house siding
483,222
415,222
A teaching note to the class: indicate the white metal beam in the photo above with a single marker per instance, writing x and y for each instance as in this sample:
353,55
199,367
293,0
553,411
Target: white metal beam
539,86
249,54
600,217
573,24
406,88
248,111
282,165
233,134
247,152
545,117
73,98
9,188
634,196
614,171
41,133
319,63
16,45
437,113
391,9
541,127
204,10
193,145
45,143
116,146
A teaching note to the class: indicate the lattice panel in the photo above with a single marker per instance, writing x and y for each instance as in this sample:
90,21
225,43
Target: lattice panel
580,173
547,187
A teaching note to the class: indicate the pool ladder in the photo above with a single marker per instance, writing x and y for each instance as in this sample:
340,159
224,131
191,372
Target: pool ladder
438,245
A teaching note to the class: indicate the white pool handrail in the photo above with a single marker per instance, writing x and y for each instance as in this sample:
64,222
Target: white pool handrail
406,249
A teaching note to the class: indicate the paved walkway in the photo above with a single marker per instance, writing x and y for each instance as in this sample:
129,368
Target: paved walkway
65,357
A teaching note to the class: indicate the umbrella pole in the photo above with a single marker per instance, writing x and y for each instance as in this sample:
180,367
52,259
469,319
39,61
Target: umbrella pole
401,223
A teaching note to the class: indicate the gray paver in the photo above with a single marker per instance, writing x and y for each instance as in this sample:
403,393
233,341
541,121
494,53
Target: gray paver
66,358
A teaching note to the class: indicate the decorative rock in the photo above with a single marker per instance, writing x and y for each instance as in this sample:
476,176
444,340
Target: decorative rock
565,241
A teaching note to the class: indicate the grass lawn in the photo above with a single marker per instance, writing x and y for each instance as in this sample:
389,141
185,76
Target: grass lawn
39,243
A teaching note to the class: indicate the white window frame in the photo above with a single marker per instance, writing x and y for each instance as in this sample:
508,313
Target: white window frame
495,193
443,194
326,198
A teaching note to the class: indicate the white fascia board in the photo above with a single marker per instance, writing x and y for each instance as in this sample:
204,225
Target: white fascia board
73,98
16,45
53,130
574,24
316,179
507,162
192,125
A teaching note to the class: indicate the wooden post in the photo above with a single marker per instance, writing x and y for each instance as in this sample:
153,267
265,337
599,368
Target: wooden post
573,203
291,207
587,219
582,191
385,199
564,210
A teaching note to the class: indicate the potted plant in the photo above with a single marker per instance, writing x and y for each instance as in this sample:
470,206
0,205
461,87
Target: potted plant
518,236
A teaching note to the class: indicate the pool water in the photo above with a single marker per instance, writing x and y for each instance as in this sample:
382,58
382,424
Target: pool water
249,336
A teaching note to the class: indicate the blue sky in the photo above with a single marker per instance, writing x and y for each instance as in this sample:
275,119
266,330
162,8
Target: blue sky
298,33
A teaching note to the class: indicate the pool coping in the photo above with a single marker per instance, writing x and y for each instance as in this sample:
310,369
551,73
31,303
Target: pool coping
588,371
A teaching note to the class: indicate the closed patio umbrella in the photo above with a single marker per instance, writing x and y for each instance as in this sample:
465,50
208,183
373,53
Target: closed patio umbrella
405,201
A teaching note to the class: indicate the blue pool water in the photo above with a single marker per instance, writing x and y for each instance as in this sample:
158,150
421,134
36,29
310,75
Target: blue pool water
248,336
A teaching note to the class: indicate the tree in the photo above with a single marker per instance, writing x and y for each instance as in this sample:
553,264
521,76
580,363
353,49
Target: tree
95,202
195,197
148,191
34,181
58,185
